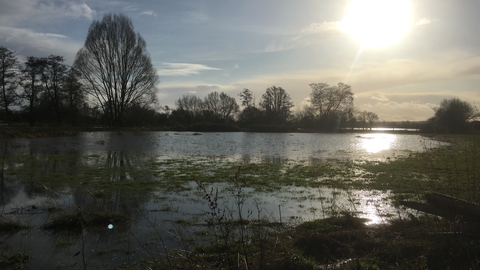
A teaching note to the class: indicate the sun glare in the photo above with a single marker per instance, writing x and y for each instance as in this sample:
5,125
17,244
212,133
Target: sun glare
377,23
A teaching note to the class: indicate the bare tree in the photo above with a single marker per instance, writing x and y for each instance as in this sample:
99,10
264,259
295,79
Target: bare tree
371,118
453,115
326,99
53,77
367,119
246,96
8,79
74,95
189,108
31,84
220,107
117,68
277,104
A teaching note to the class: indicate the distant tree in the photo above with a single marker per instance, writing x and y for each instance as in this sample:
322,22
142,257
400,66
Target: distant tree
53,78
189,109
8,79
251,115
220,107
31,84
304,117
246,96
74,95
348,117
277,105
371,118
116,67
453,115
326,99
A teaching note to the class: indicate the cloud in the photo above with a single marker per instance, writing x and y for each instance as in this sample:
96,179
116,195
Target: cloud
149,13
30,43
424,21
182,69
313,34
380,98
321,27
37,11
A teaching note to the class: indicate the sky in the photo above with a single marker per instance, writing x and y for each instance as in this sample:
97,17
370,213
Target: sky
200,46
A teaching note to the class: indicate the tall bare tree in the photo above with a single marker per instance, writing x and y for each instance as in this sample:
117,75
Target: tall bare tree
326,99
220,107
53,76
8,79
277,104
31,84
117,68
189,108
246,96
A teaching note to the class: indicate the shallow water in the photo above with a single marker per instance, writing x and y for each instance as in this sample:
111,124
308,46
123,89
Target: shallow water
154,214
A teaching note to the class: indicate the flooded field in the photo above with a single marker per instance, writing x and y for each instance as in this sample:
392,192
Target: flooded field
139,195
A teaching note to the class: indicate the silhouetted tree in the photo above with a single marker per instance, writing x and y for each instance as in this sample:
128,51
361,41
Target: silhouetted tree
189,109
326,99
219,107
31,84
453,115
246,96
305,117
8,79
277,105
116,67
53,78
371,118
251,115
74,95
348,117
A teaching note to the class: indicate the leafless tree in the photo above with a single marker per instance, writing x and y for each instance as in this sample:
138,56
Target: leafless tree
53,77
8,79
246,96
220,106
277,104
31,84
367,119
326,99
116,67
189,108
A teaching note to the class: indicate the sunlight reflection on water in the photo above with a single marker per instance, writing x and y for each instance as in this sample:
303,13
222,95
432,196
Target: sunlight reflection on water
125,155
374,143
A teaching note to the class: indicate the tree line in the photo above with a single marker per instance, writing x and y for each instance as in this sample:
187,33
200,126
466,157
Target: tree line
113,83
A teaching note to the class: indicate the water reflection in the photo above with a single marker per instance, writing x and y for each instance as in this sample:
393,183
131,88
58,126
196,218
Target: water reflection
374,143
81,173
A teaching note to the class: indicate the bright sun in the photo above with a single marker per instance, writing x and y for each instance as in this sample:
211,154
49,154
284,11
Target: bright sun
377,23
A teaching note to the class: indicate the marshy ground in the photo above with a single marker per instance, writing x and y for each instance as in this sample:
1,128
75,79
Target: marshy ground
141,211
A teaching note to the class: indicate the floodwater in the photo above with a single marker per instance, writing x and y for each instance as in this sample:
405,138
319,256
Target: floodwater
155,214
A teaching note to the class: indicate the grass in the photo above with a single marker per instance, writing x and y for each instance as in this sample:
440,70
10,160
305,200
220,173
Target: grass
76,221
15,261
231,238
10,226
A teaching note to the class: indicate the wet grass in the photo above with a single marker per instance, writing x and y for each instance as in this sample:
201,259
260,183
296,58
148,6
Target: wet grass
341,241
15,261
10,226
76,221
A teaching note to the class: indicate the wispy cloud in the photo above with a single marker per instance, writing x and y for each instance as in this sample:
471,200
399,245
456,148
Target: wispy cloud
424,21
182,69
34,11
313,34
30,43
149,13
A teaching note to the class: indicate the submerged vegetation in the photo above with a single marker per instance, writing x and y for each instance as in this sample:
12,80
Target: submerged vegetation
94,194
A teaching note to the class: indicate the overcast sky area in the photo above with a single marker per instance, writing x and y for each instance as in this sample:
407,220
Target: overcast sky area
200,46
